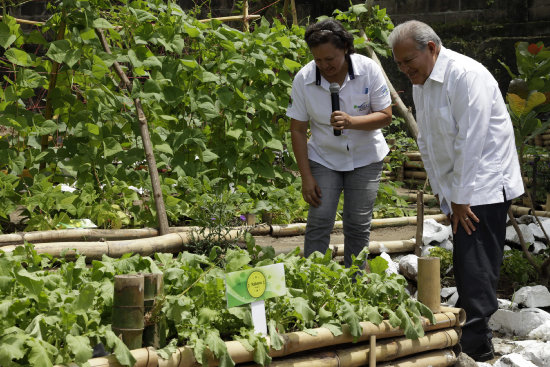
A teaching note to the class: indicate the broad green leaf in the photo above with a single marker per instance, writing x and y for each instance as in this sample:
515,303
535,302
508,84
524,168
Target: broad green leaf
18,57
30,281
102,23
85,299
291,65
275,145
522,107
192,31
208,156
111,146
236,259
58,50
6,38
92,128
301,306
275,338
80,347
13,347
47,127
336,330
38,355
120,350
378,265
350,317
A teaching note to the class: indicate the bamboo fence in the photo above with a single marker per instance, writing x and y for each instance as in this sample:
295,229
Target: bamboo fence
440,338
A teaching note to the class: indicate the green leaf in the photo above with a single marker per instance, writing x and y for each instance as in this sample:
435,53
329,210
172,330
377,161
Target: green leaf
80,347
291,65
58,50
84,300
301,306
277,342
120,350
30,281
38,356
111,146
350,317
236,259
18,57
378,265
47,127
13,347
6,38
102,23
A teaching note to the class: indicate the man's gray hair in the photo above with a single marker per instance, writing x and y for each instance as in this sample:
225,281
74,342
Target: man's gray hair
420,32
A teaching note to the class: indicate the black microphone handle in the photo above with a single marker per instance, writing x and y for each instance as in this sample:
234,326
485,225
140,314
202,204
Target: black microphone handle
335,100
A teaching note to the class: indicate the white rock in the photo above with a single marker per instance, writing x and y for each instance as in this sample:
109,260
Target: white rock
408,266
507,248
504,346
541,333
483,364
507,305
512,236
393,268
536,296
513,360
453,300
539,354
518,323
536,230
447,245
435,232
538,247
447,292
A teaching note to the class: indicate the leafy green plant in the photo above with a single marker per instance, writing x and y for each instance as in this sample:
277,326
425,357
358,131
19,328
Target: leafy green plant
518,269
54,311
445,260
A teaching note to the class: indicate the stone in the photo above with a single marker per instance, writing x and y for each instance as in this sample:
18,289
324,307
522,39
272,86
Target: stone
465,360
408,266
426,250
507,248
447,245
538,247
512,236
541,333
453,300
507,305
503,346
536,296
393,268
536,230
538,353
435,232
513,360
447,292
518,323
526,219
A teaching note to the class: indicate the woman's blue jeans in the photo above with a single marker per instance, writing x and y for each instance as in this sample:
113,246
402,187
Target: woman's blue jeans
360,187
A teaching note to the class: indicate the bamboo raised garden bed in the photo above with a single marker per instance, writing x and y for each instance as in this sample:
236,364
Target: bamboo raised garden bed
436,348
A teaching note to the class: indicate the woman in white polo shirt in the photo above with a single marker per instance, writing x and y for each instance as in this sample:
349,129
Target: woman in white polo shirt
351,161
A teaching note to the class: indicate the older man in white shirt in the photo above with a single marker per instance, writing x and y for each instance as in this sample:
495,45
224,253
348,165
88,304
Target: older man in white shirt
466,140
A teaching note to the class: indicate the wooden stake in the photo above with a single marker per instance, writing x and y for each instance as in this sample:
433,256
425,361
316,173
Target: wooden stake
147,145
153,333
128,309
372,356
419,223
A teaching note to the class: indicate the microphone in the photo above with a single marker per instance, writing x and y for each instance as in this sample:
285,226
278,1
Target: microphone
335,100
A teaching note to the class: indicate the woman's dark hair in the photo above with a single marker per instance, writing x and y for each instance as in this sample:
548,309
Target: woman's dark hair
329,30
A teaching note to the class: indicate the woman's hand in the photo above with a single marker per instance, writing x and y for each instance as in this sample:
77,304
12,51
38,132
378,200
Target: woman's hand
340,120
311,191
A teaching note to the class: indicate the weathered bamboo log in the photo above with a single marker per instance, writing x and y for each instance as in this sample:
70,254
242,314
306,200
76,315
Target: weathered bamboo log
414,164
299,341
299,228
413,156
522,210
232,18
436,358
386,351
152,288
429,282
415,174
128,309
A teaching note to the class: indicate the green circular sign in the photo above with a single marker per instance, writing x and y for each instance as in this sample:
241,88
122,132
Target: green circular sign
255,284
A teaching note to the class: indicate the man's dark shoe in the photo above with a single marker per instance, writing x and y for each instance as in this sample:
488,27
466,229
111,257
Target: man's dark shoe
484,353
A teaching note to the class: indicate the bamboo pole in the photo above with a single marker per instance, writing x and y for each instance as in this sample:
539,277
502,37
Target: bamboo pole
300,341
146,139
246,26
152,288
128,309
436,358
429,283
92,234
232,18
522,210
405,112
414,164
372,356
419,223
415,174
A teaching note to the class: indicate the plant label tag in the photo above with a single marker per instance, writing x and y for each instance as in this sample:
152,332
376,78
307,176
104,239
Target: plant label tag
258,317
256,284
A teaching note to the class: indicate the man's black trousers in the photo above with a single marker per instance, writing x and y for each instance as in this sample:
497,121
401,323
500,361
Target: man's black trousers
476,263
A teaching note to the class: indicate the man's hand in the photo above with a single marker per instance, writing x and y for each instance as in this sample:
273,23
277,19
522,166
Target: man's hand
463,214
340,120
311,191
